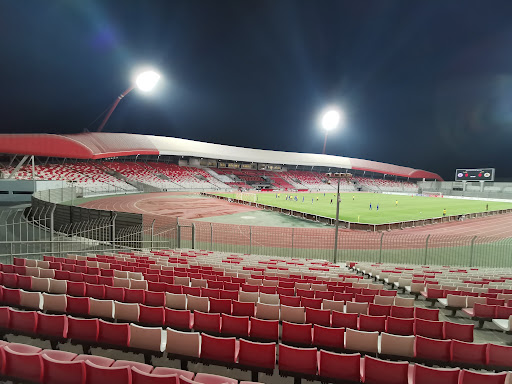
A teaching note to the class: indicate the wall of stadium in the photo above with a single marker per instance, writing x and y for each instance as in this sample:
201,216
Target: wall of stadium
493,190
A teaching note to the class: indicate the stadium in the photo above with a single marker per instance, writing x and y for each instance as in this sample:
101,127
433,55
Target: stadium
124,233
196,234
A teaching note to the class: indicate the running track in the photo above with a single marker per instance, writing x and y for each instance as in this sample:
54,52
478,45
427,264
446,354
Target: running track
164,210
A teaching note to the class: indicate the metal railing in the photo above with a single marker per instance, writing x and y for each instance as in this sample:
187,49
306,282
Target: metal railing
44,228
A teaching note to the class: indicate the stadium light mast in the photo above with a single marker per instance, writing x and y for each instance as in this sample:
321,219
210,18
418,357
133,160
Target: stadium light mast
330,120
337,176
145,81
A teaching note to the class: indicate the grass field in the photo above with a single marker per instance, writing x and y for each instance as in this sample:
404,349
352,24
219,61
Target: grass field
355,207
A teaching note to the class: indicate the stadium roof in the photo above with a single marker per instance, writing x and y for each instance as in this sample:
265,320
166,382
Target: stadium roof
98,145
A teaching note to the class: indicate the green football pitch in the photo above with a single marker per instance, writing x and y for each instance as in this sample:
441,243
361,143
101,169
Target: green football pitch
355,207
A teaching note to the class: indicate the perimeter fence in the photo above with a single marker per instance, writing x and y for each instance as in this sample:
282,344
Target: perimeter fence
51,228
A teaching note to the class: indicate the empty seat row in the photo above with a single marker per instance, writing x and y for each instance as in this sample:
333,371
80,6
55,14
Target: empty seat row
21,362
326,366
151,339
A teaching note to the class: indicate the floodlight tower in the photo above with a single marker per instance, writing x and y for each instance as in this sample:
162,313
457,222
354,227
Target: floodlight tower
337,176
145,81
330,120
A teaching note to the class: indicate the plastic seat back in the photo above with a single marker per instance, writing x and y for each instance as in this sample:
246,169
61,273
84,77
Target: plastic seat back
261,355
328,337
429,375
361,341
147,338
63,372
183,343
396,345
296,333
377,371
264,329
344,367
218,348
297,360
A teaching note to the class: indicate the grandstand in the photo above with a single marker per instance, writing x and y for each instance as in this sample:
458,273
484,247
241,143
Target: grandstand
136,161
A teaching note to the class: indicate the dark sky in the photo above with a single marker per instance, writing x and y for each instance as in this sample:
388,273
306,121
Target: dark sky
425,83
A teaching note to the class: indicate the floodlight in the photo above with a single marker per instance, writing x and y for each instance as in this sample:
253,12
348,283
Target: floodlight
147,80
330,119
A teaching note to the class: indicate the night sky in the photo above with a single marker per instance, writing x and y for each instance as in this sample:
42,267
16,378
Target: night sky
425,83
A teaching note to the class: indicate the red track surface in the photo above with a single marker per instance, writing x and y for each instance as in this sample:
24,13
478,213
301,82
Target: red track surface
164,210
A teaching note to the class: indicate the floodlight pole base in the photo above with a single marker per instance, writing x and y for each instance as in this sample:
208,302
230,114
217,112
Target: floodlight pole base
337,223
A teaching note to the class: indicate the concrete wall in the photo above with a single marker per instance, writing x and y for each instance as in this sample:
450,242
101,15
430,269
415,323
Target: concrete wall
20,191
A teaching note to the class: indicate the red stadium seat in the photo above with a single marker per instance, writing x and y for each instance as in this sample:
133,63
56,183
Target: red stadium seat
114,333
134,295
266,330
296,333
220,306
151,315
23,321
297,360
468,353
344,320
398,326
499,356
428,328
307,302
342,367
219,348
290,301
372,323
76,288
83,329
62,372
179,319
96,291
207,378
377,371
52,325
428,375
207,322
456,331
23,362
259,355
472,377
140,377
77,305
235,325
243,309
379,310
432,349
426,313
155,299
318,316
402,312
112,375
328,337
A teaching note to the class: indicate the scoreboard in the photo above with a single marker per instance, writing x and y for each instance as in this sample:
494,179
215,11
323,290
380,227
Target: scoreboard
480,174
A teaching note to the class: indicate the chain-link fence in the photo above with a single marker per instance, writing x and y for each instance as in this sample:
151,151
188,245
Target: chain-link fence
50,228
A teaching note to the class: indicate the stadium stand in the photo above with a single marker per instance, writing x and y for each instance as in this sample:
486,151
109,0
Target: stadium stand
122,301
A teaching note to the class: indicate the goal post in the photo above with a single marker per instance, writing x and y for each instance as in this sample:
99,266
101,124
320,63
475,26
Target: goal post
432,194
246,196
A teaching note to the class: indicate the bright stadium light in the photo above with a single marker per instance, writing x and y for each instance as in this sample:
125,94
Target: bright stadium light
330,120
145,81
